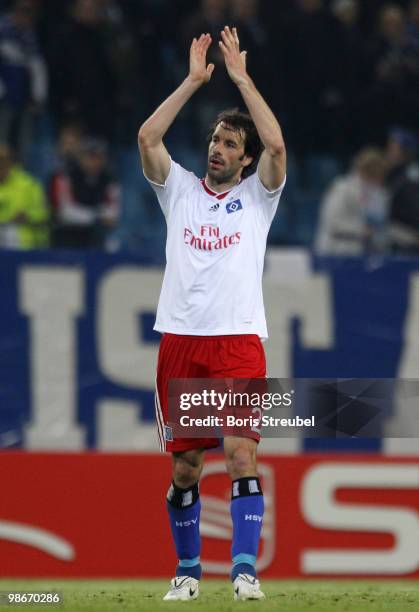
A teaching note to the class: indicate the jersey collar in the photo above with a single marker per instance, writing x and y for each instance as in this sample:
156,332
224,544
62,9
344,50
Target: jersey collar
219,196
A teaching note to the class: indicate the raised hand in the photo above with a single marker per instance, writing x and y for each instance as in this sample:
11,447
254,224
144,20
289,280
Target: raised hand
199,72
235,60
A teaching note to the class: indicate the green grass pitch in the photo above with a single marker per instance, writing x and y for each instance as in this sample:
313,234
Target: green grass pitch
216,596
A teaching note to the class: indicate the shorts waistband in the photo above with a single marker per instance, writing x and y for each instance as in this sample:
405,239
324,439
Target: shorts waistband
223,337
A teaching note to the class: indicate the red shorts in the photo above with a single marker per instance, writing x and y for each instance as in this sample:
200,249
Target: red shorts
240,356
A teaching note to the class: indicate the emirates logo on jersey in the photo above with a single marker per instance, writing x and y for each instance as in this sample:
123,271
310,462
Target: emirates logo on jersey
210,239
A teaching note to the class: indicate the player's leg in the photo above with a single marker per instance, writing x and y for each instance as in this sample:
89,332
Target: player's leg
243,357
182,357
247,508
184,508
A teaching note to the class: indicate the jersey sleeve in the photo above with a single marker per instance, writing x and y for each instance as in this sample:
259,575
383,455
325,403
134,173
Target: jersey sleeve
176,183
266,201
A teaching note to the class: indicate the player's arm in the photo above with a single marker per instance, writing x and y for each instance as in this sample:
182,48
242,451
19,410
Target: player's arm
272,164
154,156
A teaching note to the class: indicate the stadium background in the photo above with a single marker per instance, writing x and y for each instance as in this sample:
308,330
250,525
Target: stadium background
77,353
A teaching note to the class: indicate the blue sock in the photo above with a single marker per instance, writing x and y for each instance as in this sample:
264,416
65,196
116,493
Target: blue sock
247,509
184,510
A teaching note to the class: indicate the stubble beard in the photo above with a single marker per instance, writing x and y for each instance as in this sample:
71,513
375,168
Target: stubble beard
221,177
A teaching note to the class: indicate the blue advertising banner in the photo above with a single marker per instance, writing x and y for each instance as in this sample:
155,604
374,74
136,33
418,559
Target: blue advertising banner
78,351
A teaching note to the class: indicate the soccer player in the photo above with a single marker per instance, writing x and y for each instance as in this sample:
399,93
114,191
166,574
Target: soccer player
211,309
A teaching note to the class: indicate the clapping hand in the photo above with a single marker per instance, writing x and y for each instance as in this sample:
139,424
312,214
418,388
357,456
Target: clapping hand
199,72
235,60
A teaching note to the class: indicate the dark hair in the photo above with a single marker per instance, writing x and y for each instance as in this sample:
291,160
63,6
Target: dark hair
241,122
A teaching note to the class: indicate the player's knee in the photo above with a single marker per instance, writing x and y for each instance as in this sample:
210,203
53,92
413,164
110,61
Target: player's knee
185,476
241,462
186,469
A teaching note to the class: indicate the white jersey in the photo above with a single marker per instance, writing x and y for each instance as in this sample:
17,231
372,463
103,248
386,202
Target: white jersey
215,252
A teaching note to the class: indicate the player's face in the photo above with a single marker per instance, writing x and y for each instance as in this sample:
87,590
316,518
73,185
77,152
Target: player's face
226,157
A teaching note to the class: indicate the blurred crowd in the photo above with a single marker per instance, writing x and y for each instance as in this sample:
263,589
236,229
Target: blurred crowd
341,75
374,208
